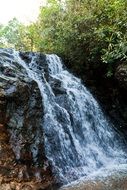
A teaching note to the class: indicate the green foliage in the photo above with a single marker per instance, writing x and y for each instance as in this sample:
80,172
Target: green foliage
87,32
90,33
10,34
16,35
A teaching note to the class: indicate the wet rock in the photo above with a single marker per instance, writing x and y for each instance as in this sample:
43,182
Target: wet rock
57,87
115,181
121,75
22,155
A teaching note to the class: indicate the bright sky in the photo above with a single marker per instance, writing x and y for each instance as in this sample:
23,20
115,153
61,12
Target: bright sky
24,10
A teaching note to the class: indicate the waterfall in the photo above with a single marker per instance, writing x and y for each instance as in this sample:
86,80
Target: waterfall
79,140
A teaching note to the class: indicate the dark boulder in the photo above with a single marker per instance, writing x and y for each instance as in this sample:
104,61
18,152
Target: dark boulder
121,75
22,156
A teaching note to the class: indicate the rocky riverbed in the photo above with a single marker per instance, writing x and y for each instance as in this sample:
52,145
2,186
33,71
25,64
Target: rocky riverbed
109,180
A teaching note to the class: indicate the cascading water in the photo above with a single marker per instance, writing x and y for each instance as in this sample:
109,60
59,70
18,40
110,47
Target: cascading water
78,138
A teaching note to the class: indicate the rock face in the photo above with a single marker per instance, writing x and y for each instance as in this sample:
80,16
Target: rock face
21,134
111,92
121,75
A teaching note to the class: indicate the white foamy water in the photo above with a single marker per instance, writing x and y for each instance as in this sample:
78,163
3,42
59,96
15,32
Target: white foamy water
79,140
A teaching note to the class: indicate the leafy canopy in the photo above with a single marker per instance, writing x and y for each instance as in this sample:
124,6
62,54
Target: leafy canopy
87,32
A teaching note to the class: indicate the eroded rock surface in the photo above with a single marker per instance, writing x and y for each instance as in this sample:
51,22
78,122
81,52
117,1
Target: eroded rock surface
22,164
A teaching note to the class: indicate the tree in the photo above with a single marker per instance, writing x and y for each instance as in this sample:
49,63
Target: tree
88,32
